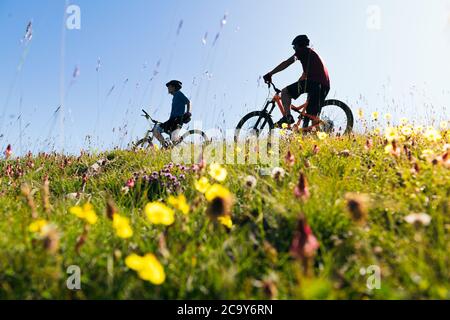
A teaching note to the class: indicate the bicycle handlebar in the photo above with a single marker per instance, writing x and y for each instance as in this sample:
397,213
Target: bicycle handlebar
148,117
274,87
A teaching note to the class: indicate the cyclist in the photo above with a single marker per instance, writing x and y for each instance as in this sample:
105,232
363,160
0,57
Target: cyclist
181,113
314,81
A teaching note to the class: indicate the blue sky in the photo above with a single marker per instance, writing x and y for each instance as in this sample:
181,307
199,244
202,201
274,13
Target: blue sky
401,67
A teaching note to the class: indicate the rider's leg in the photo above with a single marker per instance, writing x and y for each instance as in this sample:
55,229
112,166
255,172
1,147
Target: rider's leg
157,133
314,102
175,135
287,94
286,100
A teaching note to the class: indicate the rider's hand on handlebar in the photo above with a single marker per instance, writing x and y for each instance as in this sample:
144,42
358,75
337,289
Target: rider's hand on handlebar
268,78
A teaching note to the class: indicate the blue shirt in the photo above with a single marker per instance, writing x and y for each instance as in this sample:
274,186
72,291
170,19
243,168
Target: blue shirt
179,103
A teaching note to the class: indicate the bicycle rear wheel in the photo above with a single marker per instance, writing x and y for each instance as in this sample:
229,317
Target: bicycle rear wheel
194,137
337,118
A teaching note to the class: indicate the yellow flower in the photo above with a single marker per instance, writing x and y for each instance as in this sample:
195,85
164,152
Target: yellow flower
147,267
179,203
389,148
158,213
86,212
360,113
202,185
284,126
432,135
427,153
407,131
217,191
403,121
226,221
37,226
391,134
134,262
388,116
218,172
122,226
418,130
375,115
322,135
377,130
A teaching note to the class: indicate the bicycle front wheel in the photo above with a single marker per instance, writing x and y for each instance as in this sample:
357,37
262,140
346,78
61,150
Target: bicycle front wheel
337,118
144,143
257,124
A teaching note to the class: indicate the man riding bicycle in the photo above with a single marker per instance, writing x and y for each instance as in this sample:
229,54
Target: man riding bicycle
314,81
178,116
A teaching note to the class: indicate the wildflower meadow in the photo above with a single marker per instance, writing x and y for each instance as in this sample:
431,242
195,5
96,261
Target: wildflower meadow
361,216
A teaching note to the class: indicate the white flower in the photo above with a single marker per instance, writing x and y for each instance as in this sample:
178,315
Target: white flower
418,219
250,182
278,173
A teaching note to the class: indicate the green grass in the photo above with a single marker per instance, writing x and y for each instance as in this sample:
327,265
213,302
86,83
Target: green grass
205,260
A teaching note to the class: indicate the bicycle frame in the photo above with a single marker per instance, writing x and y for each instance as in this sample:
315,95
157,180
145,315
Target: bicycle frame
276,100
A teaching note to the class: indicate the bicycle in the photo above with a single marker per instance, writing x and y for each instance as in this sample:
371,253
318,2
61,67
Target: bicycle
335,117
189,137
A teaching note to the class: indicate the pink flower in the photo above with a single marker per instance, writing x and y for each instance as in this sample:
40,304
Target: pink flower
316,149
8,151
130,183
301,190
304,243
290,159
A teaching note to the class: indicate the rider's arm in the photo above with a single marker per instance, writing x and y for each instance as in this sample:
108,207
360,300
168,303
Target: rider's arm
188,107
283,65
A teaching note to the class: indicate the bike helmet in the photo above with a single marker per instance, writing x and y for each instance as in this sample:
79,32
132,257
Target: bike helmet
301,41
175,83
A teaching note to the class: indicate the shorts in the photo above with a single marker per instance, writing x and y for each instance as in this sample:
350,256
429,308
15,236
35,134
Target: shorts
170,125
316,94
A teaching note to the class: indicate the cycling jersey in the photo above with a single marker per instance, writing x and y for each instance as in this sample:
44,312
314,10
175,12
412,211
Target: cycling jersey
313,66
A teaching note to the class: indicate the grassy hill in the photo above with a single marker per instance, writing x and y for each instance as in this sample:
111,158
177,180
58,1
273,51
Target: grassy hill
311,229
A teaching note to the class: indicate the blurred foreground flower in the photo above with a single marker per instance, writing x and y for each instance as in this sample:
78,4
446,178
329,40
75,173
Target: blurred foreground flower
278,173
179,203
217,172
37,226
220,201
226,221
432,135
290,159
147,267
418,219
250,182
322,135
158,213
202,185
357,205
301,190
304,244
86,212
8,152
122,226
47,233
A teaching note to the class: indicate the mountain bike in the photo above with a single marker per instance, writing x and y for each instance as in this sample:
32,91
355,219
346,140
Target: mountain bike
335,118
189,137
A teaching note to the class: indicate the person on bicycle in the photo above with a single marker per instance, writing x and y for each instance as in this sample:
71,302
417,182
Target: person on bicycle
180,114
314,81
